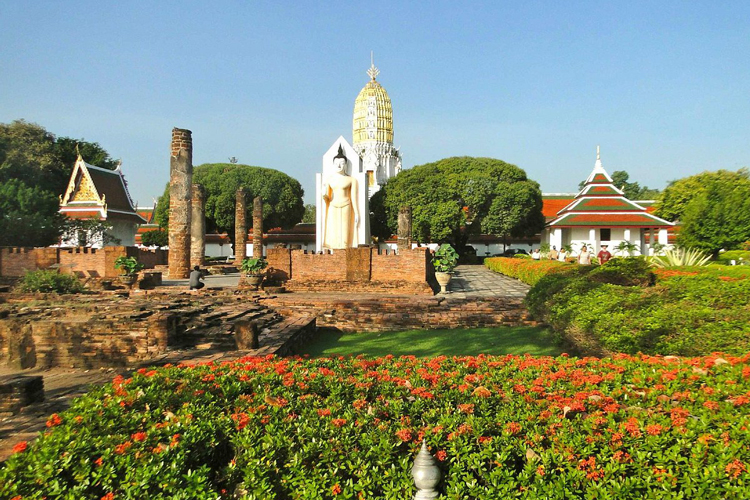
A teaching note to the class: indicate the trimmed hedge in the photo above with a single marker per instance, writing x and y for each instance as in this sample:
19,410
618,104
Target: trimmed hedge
527,270
736,255
500,427
686,311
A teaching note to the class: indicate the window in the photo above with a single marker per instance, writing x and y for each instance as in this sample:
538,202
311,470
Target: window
605,234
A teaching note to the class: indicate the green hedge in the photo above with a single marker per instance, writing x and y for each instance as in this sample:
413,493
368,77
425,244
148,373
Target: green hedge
684,311
349,428
527,270
735,255
45,281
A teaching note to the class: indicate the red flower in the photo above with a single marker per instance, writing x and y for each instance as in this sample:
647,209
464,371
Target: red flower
441,455
99,461
108,496
654,429
338,422
404,435
512,428
735,468
20,447
54,420
139,436
324,412
336,489
122,448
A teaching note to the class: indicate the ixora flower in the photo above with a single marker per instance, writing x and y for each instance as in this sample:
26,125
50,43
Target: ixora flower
625,423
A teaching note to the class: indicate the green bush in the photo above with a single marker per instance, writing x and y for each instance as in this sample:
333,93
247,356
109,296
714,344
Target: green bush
157,238
500,427
687,311
735,255
45,281
527,270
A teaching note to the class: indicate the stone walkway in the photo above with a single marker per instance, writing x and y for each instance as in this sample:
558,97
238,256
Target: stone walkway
478,281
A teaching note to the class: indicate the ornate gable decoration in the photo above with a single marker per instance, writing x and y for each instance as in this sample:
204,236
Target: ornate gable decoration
81,188
601,203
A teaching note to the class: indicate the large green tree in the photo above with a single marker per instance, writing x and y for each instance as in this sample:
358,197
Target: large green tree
454,198
632,190
281,194
673,201
29,216
717,215
30,153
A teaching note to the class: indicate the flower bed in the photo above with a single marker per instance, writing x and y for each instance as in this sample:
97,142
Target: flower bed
527,270
501,427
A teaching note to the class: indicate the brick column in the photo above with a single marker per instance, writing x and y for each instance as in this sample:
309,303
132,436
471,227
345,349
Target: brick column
198,226
240,227
180,182
257,227
404,229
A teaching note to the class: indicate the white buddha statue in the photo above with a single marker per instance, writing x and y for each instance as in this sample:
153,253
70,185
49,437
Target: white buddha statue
341,217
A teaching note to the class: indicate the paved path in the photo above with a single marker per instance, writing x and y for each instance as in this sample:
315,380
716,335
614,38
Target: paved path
478,281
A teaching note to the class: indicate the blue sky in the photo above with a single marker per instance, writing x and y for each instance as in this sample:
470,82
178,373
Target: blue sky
663,86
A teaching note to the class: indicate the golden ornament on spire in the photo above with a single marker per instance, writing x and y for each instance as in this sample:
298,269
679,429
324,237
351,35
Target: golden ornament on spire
373,113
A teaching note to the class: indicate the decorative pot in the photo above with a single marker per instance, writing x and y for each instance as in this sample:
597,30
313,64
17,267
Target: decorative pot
254,280
443,279
127,279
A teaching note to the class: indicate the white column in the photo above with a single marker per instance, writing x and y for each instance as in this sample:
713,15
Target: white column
663,237
592,239
626,236
556,238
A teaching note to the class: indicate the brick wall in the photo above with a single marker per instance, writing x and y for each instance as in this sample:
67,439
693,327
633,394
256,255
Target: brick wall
16,261
79,260
403,313
84,342
362,269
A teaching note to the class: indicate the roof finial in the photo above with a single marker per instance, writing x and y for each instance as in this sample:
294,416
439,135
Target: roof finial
373,71
78,153
597,152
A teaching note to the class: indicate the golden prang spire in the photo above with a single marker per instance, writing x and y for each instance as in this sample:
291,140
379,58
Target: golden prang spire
373,71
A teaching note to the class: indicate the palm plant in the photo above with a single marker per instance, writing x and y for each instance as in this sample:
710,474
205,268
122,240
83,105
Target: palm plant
626,247
677,257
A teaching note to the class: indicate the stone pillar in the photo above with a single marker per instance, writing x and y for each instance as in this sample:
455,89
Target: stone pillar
257,227
404,229
240,227
180,182
198,226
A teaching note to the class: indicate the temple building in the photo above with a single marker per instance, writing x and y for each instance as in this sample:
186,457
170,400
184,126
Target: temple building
600,214
372,133
96,193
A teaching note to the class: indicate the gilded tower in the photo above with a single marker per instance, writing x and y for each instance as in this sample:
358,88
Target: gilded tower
372,133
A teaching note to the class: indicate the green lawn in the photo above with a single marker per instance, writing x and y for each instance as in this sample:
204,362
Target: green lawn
424,343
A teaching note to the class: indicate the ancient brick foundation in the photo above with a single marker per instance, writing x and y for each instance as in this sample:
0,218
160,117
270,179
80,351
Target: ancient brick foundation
198,226
18,391
363,269
82,261
395,313
180,196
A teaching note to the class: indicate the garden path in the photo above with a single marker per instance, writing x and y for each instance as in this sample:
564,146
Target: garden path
478,281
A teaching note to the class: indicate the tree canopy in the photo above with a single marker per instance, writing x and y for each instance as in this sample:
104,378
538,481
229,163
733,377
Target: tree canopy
632,190
35,167
281,194
671,203
459,196
713,209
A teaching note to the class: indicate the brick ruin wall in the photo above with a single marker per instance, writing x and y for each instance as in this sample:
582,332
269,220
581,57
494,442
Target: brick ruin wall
87,262
83,342
363,269
404,313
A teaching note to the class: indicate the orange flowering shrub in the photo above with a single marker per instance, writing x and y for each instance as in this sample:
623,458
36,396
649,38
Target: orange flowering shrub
500,427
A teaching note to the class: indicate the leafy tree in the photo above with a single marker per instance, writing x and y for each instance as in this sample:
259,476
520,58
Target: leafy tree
672,202
632,190
718,217
281,194
456,197
157,238
309,217
28,215
32,154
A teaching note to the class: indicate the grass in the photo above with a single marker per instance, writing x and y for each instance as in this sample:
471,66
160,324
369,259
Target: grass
423,343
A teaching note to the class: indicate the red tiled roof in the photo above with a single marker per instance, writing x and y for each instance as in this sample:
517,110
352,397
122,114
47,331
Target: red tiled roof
551,206
629,219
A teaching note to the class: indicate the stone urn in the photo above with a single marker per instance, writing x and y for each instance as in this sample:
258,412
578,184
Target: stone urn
426,474
443,279
254,280
127,279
